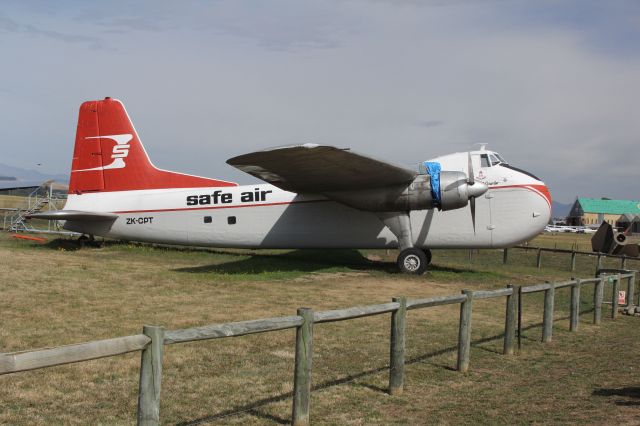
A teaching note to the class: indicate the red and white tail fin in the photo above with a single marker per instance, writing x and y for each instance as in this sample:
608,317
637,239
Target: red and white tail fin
108,155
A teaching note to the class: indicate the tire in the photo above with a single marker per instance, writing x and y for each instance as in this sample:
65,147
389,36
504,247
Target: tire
82,240
620,238
427,252
412,261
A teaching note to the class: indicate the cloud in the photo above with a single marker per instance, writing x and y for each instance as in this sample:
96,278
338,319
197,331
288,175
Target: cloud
280,25
551,86
11,26
429,123
123,22
8,25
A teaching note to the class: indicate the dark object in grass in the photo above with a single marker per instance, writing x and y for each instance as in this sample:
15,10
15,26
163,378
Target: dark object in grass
603,241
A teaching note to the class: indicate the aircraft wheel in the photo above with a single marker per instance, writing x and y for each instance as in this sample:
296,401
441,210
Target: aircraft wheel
620,238
427,252
412,261
82,240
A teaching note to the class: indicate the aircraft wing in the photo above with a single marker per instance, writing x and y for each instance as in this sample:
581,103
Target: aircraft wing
320,169
73,215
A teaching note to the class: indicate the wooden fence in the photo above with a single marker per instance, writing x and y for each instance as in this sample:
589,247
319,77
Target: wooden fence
153,338
574,253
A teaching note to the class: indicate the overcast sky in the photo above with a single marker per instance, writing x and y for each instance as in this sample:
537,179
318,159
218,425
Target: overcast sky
554,86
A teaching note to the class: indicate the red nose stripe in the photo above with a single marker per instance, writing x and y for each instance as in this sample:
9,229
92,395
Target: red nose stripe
541,190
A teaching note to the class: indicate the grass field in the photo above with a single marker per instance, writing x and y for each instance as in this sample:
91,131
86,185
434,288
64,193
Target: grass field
54,294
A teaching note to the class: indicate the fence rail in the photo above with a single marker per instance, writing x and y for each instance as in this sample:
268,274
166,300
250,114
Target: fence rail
49,357
574,253
232,329
153,338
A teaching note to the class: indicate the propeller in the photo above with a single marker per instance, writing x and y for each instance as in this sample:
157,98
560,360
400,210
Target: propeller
459,189
472,197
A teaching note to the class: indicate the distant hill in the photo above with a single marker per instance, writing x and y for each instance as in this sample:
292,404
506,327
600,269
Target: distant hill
30,175
560,210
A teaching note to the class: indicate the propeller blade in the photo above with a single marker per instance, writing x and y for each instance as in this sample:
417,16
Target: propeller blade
472,204
474,190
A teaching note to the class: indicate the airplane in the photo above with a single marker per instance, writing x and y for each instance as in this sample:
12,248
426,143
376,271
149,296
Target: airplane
315,196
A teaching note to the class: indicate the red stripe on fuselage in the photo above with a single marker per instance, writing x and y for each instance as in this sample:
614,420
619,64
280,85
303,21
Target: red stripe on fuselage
220,207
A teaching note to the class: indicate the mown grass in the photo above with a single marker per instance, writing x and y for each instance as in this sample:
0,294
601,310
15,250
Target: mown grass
55,294
12,201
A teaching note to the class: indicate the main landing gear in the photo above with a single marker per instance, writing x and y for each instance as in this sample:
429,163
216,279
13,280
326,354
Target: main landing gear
411,260
88,240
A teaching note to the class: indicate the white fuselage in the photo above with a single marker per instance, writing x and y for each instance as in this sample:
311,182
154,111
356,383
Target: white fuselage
513,210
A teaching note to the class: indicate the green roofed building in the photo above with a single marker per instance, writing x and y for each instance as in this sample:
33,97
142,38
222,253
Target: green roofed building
593,211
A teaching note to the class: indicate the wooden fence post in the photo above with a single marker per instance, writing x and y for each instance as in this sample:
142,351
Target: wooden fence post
614,296
302,372
511,320
396,361
599,263
505,256
547,317
574,317
631,290
539,259
150,377
573,260
598,295
464,332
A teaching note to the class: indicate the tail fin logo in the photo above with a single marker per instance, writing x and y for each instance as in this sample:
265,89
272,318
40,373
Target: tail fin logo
119,153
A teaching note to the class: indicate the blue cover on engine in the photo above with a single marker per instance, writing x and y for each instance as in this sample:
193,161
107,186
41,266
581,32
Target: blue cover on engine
433,169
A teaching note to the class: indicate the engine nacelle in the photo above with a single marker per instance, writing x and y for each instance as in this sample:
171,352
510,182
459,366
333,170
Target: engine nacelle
415,196
454,194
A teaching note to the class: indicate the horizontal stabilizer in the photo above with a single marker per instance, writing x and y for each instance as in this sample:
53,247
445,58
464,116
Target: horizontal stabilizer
73,215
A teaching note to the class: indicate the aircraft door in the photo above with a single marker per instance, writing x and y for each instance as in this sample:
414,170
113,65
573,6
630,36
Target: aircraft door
483,221
488,196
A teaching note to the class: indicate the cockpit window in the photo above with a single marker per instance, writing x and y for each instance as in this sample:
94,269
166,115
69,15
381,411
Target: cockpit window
500,158
484,160
494,160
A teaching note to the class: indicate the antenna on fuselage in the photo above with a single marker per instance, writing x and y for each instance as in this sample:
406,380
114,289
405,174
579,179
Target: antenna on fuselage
482,145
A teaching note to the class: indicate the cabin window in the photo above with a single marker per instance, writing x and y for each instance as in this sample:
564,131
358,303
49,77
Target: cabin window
208,219
231,220
484,161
